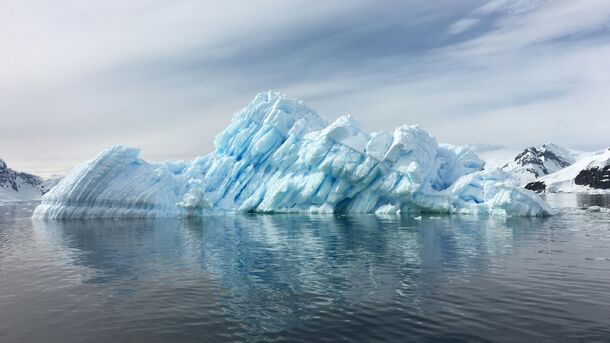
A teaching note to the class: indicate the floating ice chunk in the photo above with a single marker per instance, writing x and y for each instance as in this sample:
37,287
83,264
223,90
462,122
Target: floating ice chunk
278,155
388,209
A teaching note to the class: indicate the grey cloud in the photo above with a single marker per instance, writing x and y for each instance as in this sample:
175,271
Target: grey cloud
167,76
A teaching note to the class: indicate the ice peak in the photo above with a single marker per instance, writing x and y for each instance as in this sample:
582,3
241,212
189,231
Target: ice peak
267,115
275,108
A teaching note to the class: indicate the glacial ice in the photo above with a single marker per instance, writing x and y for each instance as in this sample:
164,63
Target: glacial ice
279,155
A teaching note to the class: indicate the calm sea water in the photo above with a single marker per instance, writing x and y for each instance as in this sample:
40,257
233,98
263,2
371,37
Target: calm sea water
306,278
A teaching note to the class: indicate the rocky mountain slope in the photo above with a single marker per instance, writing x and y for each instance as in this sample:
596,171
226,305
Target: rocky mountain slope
550,167
537,161
530,163
18,186
589,174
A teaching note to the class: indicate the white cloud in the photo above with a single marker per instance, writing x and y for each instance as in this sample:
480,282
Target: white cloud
166,76
550,20
510,6
462,25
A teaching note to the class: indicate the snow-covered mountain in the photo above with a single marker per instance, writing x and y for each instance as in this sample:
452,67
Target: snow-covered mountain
589,174
529,164
550,167
279,155
535,162
16,186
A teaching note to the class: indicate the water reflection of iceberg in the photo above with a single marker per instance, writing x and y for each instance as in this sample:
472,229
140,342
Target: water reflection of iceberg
272,272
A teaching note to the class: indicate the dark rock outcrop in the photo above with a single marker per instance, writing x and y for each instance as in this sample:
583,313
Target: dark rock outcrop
598,178
536,186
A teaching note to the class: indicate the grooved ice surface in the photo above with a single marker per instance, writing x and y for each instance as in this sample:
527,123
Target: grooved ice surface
278,155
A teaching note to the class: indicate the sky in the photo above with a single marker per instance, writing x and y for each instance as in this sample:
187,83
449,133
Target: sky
166,76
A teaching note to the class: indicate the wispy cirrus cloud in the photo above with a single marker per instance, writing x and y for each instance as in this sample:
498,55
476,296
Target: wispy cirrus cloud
462,25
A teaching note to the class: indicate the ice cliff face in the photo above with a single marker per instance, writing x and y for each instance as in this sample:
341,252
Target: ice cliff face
278,155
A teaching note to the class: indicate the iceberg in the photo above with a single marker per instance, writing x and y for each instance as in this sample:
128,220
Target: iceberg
279,155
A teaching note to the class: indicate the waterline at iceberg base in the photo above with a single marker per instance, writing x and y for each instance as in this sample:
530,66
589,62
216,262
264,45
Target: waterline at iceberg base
279,155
